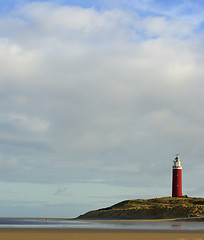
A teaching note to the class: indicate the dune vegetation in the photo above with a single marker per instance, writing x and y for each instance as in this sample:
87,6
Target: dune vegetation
156,208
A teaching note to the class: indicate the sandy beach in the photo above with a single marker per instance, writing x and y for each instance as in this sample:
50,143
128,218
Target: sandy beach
62,234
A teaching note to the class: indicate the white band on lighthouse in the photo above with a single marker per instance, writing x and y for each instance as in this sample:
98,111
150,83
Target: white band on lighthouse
177,163
176,167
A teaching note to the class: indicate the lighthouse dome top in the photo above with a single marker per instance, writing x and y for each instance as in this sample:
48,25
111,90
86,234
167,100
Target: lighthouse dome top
177,162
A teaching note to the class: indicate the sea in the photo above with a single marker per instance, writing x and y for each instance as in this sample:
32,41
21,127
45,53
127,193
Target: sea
103,225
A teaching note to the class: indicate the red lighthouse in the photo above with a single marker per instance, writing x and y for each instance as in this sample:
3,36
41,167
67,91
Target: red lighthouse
177,178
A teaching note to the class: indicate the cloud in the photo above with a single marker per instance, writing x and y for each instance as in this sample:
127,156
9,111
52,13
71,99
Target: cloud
33,124
171,9
15,58
91,95
8,165
60,191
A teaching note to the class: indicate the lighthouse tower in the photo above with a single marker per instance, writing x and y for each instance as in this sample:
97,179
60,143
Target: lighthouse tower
177,177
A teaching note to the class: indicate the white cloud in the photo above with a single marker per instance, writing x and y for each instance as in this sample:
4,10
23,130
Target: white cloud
185,9
43,26
16,63
23,121
99,89
33,124
159,26
172,125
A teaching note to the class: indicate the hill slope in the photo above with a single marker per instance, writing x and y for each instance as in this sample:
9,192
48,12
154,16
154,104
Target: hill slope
156,208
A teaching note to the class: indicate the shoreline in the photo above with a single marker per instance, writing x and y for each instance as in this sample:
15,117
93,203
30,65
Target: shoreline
190,220
96,234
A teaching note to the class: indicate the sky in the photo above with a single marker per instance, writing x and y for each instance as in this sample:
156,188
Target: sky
96,98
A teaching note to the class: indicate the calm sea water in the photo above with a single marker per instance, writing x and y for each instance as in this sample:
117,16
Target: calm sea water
123,225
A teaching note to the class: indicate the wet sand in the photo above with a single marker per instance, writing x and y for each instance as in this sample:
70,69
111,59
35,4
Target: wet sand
76,234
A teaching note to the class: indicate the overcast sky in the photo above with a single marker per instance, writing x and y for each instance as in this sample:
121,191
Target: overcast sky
96,98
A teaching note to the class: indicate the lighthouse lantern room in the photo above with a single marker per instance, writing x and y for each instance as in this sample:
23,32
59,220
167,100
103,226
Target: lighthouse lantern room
177,177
